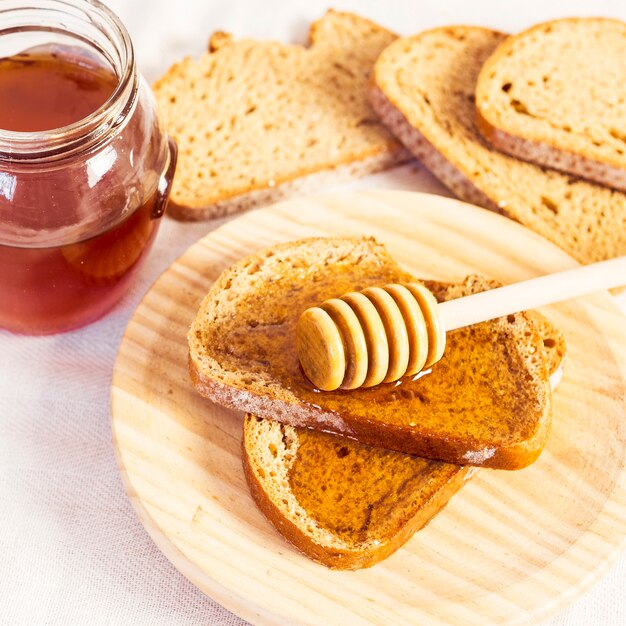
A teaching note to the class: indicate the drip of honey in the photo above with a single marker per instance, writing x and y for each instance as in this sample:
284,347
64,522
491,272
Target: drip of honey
52,289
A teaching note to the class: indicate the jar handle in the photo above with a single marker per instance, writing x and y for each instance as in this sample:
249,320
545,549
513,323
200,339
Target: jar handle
165,181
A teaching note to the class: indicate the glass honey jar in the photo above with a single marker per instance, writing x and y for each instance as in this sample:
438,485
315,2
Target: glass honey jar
85,167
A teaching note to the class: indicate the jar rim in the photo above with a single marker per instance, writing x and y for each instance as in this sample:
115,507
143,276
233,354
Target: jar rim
84,133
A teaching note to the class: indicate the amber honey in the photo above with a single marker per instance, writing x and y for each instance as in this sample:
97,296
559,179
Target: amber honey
42,90
83,220
481,386
362,493
47,290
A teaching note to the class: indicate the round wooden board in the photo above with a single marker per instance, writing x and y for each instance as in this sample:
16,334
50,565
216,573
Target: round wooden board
511,547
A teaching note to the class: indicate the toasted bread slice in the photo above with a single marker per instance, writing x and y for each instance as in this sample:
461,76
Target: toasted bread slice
342,503
345,504
423,89
554,95
256,121
487,402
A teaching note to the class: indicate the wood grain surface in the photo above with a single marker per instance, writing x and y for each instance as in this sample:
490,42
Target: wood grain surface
511,547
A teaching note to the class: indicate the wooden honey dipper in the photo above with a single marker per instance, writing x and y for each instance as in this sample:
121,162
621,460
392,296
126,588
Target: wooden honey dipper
384,333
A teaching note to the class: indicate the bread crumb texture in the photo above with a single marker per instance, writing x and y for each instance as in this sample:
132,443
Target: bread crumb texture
561,84
250,116
424,90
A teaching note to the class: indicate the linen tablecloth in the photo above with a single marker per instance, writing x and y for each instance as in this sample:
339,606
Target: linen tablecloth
72,551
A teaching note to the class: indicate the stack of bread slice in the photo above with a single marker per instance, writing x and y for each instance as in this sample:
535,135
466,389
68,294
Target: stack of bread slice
349,476
490,114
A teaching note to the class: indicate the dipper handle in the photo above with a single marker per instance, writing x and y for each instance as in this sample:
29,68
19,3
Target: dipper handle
533,293
384,333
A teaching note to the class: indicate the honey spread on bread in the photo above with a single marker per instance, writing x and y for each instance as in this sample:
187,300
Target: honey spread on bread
345,504
486,403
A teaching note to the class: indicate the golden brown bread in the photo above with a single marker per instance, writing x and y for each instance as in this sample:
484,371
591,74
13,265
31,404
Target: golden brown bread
423,89
242,355
551,95
348,505
344,504
256,121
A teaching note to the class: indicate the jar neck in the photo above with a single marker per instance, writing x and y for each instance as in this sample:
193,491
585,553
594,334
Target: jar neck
87,24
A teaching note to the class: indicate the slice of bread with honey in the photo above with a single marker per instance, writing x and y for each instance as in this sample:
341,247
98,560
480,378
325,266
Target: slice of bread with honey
423,89
256,121
487,402
345,504
342,503
555,95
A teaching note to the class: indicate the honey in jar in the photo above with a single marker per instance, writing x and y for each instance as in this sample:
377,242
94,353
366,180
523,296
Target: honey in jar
84,174
46,89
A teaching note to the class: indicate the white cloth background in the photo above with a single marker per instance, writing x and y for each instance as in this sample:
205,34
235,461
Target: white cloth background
72,550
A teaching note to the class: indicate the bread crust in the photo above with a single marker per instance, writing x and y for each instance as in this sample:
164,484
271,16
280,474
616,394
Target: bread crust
229,205
392,437
435,160
533,145
545,154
